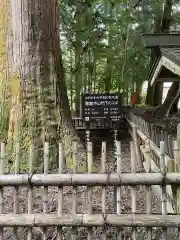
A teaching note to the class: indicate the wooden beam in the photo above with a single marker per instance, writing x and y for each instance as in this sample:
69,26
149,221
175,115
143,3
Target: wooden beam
160,40
173,67
159,80
157,72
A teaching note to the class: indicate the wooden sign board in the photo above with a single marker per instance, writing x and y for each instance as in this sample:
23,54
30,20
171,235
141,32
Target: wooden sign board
106,106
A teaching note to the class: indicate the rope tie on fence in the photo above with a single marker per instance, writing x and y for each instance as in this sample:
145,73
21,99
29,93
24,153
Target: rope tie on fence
30,176
105,226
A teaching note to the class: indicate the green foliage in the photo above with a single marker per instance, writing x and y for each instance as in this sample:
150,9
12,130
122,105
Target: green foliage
107,34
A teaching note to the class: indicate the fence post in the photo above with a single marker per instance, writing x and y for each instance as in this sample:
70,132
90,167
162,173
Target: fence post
136,144
176,189
74,194
103,170
119,171
60,190
133,188
2,163
89,189
164,194
177,167
115,188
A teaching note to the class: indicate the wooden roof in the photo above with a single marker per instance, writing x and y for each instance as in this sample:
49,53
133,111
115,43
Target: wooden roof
167,66
152,40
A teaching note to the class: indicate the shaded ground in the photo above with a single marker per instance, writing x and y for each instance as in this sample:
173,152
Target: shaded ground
96,201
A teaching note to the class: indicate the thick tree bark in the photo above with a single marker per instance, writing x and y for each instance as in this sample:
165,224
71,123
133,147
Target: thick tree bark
37,59
4,88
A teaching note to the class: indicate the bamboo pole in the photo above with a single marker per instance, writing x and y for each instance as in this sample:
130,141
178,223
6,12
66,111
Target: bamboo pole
164,197
60,191
90,165
149,197
119,171
136,144
93,179
88,220
16,190
175,189
133,189
30,189
45,194
74,195
103,169
2,158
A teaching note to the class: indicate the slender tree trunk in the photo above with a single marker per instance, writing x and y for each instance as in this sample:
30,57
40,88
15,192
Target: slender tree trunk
166,22
78,63
108,71
154,53
37,59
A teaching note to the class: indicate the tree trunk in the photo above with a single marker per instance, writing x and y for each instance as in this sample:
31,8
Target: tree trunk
165,25
78,63
37,58
5,89
108,70
172,97
161,25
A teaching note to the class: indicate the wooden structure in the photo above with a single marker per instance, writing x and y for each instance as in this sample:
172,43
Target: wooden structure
160,39
166,67
58,220
147,137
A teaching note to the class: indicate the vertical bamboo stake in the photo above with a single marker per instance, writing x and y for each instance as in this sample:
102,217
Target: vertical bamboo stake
74,203
133,191
136,144
16,193
103,169
164,197
45,194
148,198
177,167
90,163
119,171
1,189
60,191
175,189
30,189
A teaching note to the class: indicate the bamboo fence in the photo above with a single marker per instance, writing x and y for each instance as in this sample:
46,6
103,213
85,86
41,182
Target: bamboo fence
88,220
146,138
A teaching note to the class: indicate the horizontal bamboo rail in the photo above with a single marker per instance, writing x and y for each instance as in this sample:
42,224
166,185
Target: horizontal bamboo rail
89,220
93,179
152,145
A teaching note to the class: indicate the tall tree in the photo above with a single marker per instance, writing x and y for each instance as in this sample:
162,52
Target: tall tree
37,60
